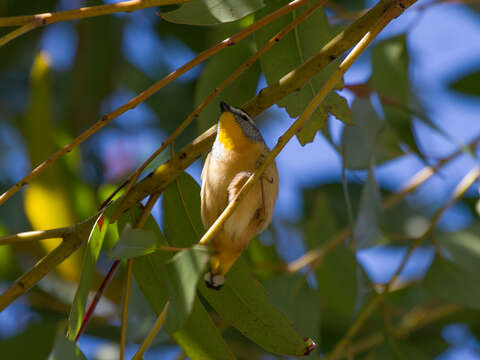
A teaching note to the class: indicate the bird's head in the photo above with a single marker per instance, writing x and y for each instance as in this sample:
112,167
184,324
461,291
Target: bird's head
236,130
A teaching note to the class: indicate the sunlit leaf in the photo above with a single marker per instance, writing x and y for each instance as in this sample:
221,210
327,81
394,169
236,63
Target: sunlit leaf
211,12
467,84
182,273
93,247
292,51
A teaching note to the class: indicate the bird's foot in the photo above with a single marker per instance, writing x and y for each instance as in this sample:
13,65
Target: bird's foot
214,281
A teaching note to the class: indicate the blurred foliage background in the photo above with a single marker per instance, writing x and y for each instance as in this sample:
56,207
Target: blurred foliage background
413,98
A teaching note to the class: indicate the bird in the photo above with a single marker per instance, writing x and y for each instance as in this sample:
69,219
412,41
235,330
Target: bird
238,150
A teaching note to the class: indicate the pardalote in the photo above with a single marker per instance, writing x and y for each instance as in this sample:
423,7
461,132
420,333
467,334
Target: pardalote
238,150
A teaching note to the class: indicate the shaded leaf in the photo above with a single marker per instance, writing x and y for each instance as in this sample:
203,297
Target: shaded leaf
396,349
295,49
467,84
211,12
216,70
133,243
182,273
292,295
65,348
244,304
366,231
90,257
464,249
450,282
369,138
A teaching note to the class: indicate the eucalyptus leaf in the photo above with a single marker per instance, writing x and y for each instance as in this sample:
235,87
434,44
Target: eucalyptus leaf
369,138
90,257
133,243
366,231
212,12
450,282
182,274
296,48
65,348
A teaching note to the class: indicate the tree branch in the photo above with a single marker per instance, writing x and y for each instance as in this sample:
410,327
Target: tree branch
36,235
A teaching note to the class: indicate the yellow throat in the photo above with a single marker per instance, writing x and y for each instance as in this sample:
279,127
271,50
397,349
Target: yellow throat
230,133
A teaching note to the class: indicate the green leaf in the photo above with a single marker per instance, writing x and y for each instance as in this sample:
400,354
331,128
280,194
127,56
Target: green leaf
464,249
390,79
182,273
90,257
244,304
295,48
65,348
292,295
369,138
337,281
200,338
450,282
467,84
242,301
41,333
133,243
366,231
219,68
211,12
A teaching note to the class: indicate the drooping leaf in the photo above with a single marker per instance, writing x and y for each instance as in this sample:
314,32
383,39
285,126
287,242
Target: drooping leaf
467,84
182,273
296,48
211,12
292,295
90,257
216,70
369,137
450,282
65,348
242,301
133,243
390,79
367,225
244,304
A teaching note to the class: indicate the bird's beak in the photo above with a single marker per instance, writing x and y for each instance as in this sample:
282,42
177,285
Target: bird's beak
224,107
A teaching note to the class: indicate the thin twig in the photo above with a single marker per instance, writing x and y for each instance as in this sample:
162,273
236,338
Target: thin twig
36,235
151,335
134,102
16,33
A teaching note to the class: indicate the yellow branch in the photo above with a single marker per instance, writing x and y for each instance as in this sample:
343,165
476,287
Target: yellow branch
36,235
69,244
